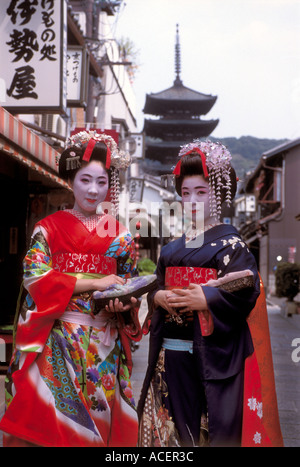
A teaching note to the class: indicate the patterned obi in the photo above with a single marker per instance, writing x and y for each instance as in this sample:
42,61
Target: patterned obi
181,277
84,263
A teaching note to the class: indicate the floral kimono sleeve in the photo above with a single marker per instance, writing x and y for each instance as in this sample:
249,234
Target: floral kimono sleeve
49,292
123,248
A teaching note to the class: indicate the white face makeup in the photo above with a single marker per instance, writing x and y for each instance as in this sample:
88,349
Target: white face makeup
195,189
90,187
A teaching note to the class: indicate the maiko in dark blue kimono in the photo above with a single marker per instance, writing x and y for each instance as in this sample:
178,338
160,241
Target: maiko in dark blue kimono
209,380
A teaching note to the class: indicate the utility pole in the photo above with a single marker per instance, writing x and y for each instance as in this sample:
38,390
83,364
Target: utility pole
92,23
93,9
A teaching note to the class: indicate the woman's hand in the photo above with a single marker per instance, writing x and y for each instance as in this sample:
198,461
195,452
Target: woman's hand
84,285
188,299
104,282
161,299
118,307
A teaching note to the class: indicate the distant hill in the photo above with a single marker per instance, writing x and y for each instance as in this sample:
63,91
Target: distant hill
246,151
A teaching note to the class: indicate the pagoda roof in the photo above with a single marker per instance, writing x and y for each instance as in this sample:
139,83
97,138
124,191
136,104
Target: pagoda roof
178,98
189,128
164,150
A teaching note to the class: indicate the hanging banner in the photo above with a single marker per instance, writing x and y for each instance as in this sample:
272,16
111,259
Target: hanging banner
77,76
33,55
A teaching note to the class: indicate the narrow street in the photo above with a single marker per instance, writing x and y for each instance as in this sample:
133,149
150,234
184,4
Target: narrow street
283,331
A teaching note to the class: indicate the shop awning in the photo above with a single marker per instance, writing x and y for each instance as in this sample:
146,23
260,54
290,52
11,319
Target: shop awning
28,148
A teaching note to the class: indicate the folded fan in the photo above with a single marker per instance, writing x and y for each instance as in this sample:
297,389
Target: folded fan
134,287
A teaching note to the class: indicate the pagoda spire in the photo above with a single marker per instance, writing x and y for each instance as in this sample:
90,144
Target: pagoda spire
177,81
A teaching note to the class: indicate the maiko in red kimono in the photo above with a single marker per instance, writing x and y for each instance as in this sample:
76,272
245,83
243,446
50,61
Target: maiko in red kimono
69,379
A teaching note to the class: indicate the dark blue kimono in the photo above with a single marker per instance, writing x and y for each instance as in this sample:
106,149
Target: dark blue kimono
213,375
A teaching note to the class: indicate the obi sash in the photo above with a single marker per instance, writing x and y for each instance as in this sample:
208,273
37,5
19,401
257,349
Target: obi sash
184,276
181,277
100,321
84,263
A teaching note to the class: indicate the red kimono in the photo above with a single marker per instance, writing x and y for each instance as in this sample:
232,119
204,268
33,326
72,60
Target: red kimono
68,383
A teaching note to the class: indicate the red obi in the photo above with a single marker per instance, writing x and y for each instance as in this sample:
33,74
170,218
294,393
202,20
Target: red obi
85,263
181,277
184,276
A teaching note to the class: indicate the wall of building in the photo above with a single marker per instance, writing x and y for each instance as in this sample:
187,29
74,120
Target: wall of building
284,233
117,99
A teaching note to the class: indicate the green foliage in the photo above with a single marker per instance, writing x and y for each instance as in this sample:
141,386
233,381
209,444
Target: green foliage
246,151
287,280
129,53
146,266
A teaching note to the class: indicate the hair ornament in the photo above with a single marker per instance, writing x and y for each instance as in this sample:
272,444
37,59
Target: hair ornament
73,162
215,158
116,158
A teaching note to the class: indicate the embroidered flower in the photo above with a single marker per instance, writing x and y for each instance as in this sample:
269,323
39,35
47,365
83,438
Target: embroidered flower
93,375
123,384
252,403
90,359
257,438
75,355
91,388
226,260
93,348
102,405
259,409
233,240
128,392
108,381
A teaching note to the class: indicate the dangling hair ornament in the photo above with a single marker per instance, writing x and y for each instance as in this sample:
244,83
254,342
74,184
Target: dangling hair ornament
73,162
116,159
215,159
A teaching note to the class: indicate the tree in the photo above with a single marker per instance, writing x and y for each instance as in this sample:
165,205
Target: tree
287,284
146,266
129,53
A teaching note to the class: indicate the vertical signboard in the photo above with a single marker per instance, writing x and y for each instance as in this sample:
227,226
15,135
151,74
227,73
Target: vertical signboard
33,51
77,76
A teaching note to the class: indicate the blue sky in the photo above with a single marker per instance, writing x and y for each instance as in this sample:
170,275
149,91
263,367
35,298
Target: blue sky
244,51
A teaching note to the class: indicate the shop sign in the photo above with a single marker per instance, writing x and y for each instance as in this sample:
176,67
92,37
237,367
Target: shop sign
33,51
77,76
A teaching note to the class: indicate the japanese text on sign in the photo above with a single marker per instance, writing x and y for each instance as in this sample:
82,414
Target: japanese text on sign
32,32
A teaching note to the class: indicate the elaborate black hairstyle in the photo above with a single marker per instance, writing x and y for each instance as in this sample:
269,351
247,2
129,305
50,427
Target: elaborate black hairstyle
71,160
191,164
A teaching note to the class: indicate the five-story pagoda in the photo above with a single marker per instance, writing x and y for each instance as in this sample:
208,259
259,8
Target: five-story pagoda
179,110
